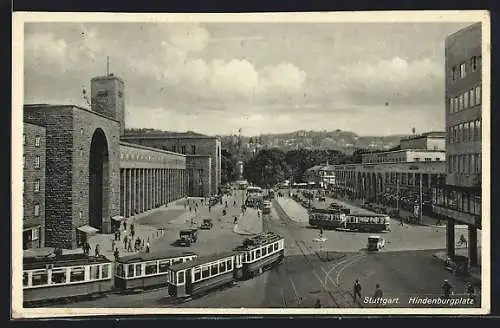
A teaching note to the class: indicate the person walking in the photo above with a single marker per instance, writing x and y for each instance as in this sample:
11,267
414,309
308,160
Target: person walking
125,226
97,250
357,290
116,254
446,287
129,247
125,241
113,244
147,247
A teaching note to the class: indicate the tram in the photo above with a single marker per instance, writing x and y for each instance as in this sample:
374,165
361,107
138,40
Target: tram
327,218
207,273
65,277
266,207
368,222
146,270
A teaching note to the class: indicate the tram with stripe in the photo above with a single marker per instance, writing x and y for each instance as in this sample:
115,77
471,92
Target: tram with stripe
146,270
368,222
327,218
65,277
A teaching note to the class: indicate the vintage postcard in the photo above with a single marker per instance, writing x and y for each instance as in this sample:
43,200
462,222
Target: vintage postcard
280,163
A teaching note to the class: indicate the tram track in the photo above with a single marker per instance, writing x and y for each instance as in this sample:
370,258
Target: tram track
300,245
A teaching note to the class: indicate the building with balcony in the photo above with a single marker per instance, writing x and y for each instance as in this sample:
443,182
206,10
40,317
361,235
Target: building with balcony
459,198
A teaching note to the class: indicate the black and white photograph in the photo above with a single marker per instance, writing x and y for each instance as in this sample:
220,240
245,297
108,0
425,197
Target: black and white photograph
300,163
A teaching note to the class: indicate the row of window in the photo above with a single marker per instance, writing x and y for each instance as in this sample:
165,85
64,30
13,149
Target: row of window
466,163
183,149
37,140
468,99
460,71
136,270
65,275
257,253
36,163
367,220
460,201
208,270
426,159
465,132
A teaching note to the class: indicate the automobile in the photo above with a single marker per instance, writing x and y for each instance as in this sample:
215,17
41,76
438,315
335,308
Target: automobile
375,243
187,237
322,199
207,224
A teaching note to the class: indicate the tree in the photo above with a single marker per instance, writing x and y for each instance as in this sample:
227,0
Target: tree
267,168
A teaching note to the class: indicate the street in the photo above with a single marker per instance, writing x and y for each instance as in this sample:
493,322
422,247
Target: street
311,270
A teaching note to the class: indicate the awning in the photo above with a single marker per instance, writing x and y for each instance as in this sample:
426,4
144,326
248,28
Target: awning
88,229
117,218
38,252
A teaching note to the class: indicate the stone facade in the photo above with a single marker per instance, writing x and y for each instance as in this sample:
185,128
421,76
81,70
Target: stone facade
34,147
200,182
69,133
188,145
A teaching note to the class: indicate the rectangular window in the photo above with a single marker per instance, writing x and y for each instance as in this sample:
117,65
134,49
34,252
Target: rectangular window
471,131
460,102
455,108
130,271
214,269
205,271
37,141
119,270
180,277
37,161
94,272
478,163
464,163
36,210
459,201
270,249
35,233
163,266
229,265
151,268
193,149
25,164
39,277
59,276
454,73
466,100
477,205
466,132
264,251
197,274
24,139
417,159
77,274
452,103
479,136
462,70
183,149
257,254
472,100
478,95
37,185
474,63
222,266
138,270
174,149
25,279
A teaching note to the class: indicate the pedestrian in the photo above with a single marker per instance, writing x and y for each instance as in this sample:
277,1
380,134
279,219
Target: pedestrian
97,250
185,205
446,287
196,210
190,209
147,247
113,244
402,222
357,290
116,235
129,248
469,289
209,208
317,305
88,248
119,235
378,292
235,220
321,232
125,226
125,239
132,233
116,254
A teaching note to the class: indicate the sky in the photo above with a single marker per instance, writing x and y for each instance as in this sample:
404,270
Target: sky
215,78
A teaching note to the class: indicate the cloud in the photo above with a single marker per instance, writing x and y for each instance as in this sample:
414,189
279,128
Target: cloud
44,52
396,79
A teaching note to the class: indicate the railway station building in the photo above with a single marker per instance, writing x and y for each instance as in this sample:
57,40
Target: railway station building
81,176
459,198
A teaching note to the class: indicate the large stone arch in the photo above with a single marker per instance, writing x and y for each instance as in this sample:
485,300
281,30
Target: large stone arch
99,179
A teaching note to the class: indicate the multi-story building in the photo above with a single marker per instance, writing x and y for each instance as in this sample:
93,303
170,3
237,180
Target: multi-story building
33,185
80,177
460,198
426,147
186,144
322,175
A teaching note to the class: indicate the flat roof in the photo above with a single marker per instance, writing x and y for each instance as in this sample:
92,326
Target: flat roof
406,150
201,260
159,136
162,254
133,145
45,106
466,29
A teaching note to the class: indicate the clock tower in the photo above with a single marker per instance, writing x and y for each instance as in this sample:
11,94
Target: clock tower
108,98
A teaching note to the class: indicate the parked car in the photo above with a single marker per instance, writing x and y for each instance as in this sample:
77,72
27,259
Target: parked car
375,243
187,237
207,224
